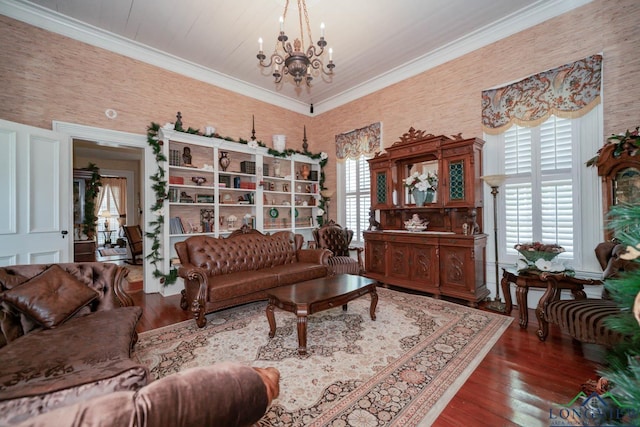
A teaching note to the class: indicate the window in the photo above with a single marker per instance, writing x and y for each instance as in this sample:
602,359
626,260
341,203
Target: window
108,204
357,196
538,193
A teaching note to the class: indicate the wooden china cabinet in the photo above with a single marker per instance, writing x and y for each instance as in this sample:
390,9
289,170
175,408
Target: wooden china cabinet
449,257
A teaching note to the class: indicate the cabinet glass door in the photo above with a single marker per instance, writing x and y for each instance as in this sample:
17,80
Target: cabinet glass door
627,186
382,191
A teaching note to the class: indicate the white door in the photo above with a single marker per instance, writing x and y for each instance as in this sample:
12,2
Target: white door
35,201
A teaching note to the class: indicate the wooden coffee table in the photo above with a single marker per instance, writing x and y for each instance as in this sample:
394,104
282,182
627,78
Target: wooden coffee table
316,295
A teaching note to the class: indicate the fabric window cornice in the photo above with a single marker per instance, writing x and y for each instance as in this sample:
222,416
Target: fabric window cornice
359,142
569,91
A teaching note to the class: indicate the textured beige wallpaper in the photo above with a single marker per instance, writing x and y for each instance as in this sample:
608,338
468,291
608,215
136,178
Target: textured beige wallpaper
47,77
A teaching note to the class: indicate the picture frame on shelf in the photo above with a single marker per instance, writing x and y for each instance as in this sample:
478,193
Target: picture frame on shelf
207,219
204,198
225,179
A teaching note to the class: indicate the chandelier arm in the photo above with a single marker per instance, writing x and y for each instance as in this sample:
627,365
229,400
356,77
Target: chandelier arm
275,58
312,51
317,64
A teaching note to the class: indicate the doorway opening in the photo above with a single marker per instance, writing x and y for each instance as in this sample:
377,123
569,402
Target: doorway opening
120,199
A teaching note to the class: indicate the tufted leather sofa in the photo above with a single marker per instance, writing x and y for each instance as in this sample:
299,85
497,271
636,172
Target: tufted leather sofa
223,272
87,355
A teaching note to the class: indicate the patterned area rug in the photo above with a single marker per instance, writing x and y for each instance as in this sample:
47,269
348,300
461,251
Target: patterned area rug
400,370
112,251
135,273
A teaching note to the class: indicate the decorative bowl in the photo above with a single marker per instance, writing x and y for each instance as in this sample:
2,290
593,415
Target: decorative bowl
415,227
533,256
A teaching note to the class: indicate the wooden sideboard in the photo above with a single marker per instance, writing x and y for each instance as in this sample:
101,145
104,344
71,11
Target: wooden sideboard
443,260
433,262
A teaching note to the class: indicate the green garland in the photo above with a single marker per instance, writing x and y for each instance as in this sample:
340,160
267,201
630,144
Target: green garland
160,190
629,143
91,192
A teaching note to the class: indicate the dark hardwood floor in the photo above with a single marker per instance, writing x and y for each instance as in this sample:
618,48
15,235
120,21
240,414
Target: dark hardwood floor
516,384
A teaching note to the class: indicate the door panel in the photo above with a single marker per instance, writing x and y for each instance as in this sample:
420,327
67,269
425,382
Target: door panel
35,205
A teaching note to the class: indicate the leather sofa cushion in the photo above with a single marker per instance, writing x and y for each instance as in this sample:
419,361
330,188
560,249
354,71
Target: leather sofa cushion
78,353
98,276
289,274
241,283
51,297
224,394
221,256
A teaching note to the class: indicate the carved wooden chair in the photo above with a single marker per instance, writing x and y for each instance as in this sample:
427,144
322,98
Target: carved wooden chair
585,318
133,233
338,240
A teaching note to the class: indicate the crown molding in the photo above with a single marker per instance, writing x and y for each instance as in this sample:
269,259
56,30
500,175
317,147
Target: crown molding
535,14
44,18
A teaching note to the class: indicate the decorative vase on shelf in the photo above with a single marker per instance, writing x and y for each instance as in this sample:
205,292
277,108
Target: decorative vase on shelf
276,168
305,171
279,142
419,196
430,193
224,160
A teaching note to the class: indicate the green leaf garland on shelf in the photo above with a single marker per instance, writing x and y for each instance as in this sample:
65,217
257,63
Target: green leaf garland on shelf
160,189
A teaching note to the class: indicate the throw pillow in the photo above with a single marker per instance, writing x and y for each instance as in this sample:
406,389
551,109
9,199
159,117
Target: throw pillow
12,323
51,297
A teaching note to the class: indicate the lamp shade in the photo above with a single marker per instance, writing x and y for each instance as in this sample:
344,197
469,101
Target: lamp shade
105,214
494,180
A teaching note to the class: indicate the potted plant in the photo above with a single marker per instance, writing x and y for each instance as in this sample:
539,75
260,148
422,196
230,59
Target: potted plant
91,193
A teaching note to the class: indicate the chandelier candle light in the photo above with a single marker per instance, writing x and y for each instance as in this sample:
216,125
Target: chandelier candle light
495,181
292,59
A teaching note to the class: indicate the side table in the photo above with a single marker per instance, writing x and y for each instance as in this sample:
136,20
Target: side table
526,279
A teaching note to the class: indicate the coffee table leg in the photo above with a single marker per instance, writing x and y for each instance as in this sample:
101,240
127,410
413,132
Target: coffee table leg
272,320
302,333
374,303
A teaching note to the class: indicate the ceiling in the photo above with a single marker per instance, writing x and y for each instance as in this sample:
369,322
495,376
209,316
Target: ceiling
375,42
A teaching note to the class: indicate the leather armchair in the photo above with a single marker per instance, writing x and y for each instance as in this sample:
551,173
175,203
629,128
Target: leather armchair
338,240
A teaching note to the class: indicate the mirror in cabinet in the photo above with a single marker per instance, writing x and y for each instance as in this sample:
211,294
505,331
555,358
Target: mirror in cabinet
420,181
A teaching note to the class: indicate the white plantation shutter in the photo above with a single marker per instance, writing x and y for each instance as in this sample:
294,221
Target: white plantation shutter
357,196
518,214
538,193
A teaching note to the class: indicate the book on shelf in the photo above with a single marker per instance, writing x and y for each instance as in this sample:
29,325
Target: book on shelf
174,157
176,226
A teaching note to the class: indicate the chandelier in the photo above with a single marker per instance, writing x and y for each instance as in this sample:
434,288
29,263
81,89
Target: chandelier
292,60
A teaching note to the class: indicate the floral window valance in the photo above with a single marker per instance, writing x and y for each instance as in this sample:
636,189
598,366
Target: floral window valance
569,91
359,142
